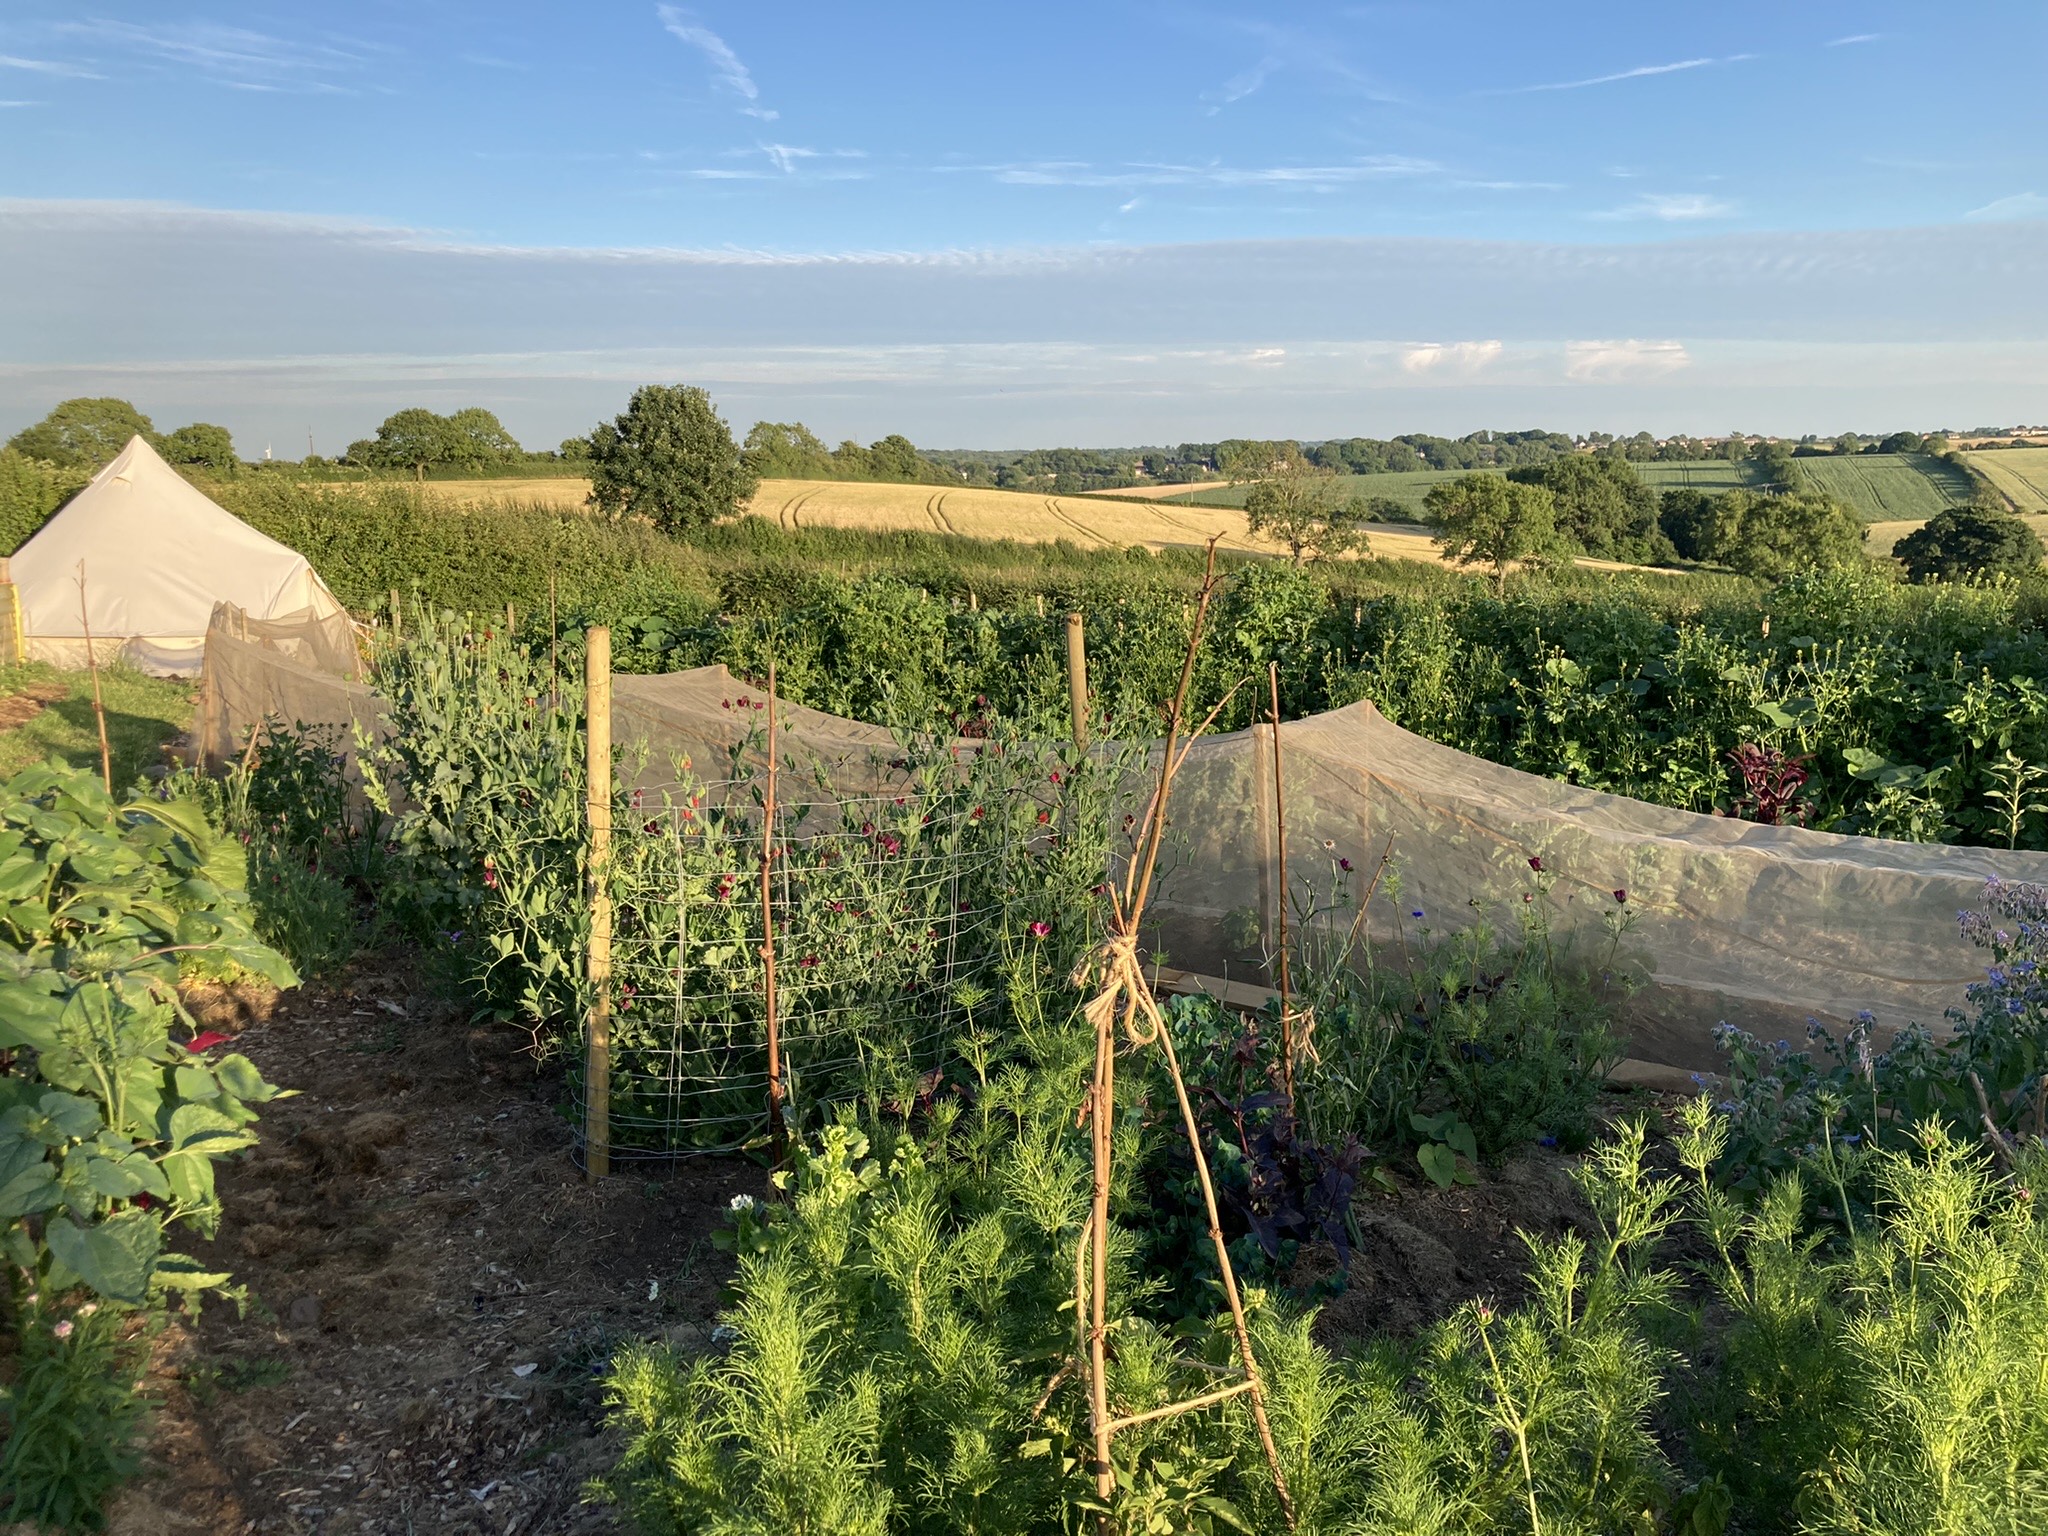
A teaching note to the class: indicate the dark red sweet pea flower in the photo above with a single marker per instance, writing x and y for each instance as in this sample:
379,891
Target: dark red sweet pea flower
206,1041
1537,865
1620,897
1039,930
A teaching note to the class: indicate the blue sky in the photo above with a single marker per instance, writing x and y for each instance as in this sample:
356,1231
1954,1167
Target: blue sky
996,226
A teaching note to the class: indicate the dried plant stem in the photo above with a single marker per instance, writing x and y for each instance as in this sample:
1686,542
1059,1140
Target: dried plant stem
99,708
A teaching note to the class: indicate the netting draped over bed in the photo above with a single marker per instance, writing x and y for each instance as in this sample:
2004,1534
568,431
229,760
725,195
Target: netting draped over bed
1762,926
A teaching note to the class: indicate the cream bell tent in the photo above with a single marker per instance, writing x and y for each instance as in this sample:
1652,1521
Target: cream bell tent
157,556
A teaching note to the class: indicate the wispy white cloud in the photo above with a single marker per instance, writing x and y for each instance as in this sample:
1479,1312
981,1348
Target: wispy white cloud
1512,186
2021,205
4,104
1641,72
1240,86
492,61
230,56
48,67
1854,38
1453,359
1618,362
725,64
1671,208
1081,173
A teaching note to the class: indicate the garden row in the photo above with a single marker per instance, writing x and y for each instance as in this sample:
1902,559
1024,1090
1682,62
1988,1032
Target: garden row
895,1356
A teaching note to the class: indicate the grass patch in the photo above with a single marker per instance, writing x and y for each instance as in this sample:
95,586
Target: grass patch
142,714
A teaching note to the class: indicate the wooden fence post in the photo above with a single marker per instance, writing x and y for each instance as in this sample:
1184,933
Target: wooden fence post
597,1050
1077,677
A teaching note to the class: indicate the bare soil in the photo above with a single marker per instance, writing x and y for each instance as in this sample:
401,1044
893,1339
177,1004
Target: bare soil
432,1287
1422,1251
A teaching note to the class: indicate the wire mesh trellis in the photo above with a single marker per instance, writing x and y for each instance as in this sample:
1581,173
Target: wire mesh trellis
899,917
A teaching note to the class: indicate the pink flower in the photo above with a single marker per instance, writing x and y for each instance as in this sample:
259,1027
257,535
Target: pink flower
1620,896
1345,865
206,1041
1537,865
1044,817
63,1329
1039,930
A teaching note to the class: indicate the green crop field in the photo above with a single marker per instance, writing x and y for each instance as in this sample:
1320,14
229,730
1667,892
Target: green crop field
1713,475
2021,473
1888,487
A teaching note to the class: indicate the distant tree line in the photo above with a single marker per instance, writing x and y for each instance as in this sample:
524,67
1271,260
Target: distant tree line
1528,495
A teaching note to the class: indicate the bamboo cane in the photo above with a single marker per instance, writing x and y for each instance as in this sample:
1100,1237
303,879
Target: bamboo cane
1124,994
778,1133
597,1084
1280,885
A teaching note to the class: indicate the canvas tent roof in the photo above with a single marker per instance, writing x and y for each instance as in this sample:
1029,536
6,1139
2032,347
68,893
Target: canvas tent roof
158,555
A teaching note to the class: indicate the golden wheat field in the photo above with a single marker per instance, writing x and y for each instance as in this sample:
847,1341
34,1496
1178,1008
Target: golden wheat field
973,513
547,491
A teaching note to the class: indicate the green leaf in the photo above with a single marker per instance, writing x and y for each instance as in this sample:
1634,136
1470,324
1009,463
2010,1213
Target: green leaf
116,1181
70,1116
33,1189
195,1083
199,1126
181,1272
1439,1162
239,1076
114,1256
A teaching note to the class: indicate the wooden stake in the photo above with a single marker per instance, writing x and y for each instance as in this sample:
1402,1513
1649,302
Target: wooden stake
1280,885
554,648
1077,677
397,617
511,620
597,1049
99,709
778,1133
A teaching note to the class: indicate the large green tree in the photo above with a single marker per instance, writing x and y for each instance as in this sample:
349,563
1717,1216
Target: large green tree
84,433
1969,541
418,440
1773,536
1602,505
1298,505
476,438
201,444
787,450
669,458
1486,519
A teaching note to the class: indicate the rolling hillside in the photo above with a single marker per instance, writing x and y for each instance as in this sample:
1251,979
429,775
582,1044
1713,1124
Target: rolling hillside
2021,473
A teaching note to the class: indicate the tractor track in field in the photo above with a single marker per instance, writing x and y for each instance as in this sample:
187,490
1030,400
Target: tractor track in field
1052,505
935,509
786,514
